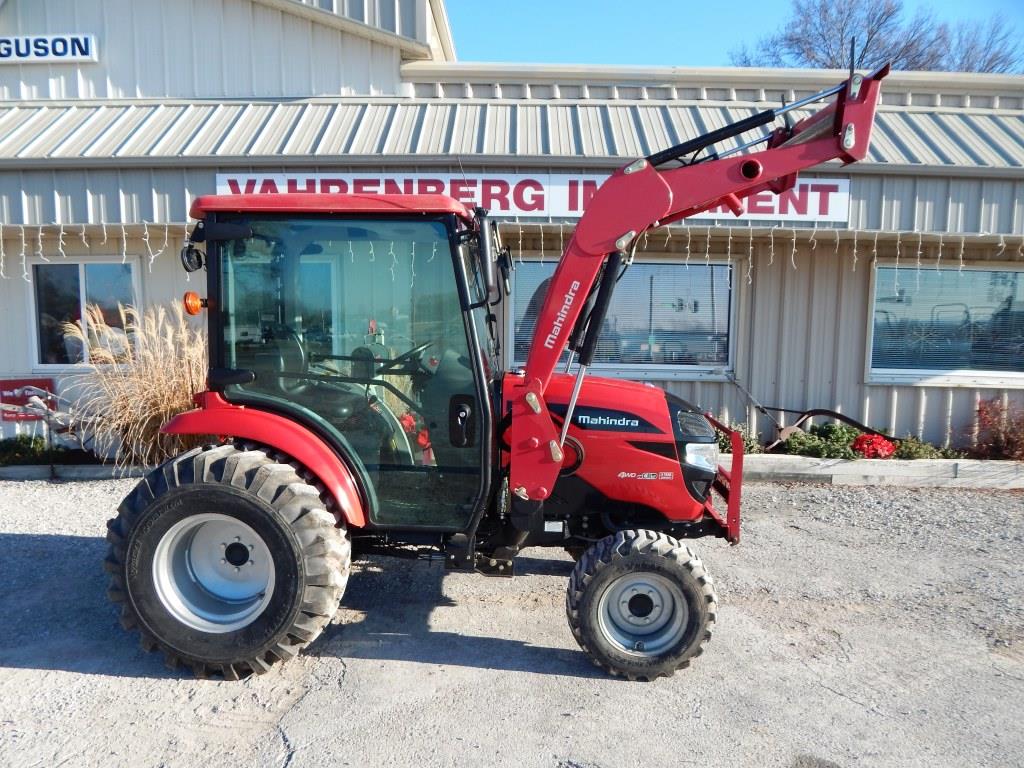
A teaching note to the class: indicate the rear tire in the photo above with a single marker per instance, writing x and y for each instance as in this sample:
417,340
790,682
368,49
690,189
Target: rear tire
226,561
640,604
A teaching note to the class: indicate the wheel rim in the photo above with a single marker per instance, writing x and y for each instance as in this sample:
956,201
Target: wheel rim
213,573
643,614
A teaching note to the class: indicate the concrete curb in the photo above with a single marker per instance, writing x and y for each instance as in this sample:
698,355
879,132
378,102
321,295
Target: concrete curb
916,473
70,472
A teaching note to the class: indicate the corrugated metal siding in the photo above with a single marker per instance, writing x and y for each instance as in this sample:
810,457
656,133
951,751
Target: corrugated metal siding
878,202
954,140
207,49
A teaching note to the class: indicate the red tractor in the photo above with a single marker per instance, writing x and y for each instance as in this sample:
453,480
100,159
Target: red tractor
356,398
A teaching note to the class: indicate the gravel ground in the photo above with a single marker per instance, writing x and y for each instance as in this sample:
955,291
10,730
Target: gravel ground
857,626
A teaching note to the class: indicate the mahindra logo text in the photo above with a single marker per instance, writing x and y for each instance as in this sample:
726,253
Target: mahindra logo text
556,329
606,421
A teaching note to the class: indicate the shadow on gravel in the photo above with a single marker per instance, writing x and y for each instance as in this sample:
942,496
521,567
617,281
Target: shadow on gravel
56,616
398,599
55,610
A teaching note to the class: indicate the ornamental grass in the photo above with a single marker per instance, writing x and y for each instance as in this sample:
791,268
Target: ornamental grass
138,376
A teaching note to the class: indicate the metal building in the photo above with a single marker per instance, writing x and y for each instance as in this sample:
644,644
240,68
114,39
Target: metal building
890,290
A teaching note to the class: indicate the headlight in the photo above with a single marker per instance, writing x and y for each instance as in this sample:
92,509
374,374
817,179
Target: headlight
693,425
703,455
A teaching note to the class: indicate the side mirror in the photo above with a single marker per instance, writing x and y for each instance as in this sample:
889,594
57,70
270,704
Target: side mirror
191,258
487,250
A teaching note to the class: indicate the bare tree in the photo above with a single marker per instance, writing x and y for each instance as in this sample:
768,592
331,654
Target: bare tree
818,32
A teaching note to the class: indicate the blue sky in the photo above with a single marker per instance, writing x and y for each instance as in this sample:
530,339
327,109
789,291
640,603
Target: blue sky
642,32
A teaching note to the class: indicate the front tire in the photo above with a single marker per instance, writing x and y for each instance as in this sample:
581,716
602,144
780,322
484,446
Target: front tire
227,561
640,604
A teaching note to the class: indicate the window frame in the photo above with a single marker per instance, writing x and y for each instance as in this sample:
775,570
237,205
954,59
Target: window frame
925,377
646,371
30,297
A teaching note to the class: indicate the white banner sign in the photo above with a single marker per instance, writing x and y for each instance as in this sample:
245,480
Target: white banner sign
559,195
53,49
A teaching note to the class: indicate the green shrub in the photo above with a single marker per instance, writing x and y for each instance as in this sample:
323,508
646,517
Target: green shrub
825,441
750,442
24,449
910,447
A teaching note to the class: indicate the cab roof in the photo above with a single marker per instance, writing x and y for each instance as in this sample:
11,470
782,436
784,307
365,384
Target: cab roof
305,202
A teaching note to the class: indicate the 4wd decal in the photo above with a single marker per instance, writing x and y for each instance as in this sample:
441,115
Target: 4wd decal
647,475
605,419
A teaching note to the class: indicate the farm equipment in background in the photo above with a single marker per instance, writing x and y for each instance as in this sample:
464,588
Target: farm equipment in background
357,398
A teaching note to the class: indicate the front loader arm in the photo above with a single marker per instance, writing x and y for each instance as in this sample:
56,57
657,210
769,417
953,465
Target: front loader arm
640,196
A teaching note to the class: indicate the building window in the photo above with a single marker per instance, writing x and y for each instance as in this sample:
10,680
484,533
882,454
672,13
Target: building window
947,321
61,290
664,316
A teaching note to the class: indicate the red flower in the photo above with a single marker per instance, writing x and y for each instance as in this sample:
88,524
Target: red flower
423,439
408,422
873,447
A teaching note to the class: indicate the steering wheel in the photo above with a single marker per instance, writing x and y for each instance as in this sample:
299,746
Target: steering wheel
412,354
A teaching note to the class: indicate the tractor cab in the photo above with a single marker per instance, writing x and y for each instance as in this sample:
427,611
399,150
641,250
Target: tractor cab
365,323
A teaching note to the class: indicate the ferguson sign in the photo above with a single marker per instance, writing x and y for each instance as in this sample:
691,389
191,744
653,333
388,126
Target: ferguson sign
559,195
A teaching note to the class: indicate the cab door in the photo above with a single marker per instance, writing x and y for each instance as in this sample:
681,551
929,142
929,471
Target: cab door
358,326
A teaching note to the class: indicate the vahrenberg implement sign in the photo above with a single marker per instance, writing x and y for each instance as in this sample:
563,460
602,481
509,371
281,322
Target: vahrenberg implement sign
39,49
560,195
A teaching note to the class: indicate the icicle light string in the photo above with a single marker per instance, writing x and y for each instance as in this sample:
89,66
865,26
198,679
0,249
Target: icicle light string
707,248
394,260
412,265
962,243
104,225
373,256
61,243
1002,246
792,252
771,244
520,243
837,242
874,249
728,244
83,238
541,243
854,250
938,256
917,274
687,247
668,237
124,244
750,256
145,242
433,253
167,235
24,255
896,272
351,253
813,242
39,246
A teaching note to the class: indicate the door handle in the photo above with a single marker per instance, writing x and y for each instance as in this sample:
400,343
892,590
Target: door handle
462,421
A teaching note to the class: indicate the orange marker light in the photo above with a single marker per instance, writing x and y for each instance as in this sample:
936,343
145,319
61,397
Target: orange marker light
193,304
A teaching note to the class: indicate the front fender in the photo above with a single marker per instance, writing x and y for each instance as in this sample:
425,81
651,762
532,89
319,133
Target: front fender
216,416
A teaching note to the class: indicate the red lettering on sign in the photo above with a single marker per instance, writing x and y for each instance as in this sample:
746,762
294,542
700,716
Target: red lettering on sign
760,203
269,187
366,186
528,195
293,186
430,187
391,187
464,190
574,202
824,190
494,194
589,190
797,197
333,186
250,186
